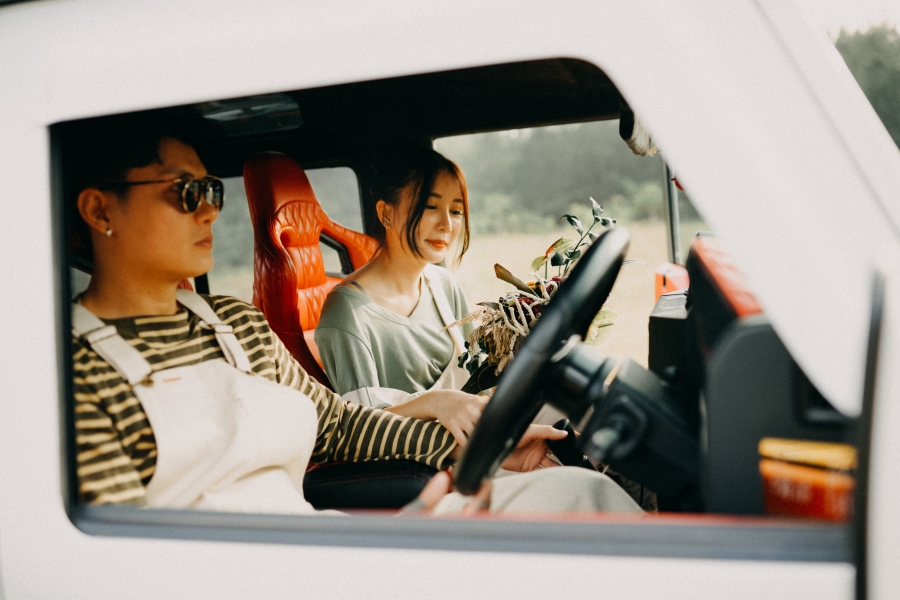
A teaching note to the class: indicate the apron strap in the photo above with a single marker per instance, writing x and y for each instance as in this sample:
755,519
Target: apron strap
357,286
231,347
112,347
432,277
379,397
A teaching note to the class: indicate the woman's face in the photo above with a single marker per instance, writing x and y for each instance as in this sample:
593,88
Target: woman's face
151,232
441,222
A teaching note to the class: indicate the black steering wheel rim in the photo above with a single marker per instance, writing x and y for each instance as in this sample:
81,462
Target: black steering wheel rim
517,399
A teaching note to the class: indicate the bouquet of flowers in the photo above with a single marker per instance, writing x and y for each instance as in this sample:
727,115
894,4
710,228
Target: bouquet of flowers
502,325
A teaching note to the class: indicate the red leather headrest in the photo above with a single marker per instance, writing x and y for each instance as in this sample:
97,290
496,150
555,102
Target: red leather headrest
276,179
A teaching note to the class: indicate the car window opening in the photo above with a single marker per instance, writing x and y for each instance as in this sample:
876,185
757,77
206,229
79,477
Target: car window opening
669,387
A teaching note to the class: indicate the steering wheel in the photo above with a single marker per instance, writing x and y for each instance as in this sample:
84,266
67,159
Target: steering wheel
518,397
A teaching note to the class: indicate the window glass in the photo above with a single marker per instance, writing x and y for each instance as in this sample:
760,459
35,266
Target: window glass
232,274
78,281
521,182
337,191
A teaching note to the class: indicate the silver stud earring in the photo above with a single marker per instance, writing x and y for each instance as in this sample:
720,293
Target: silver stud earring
108,232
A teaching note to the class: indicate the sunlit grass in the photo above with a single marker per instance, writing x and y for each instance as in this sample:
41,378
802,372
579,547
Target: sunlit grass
632,298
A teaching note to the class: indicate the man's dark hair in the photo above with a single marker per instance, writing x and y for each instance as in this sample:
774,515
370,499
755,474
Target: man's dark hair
101,151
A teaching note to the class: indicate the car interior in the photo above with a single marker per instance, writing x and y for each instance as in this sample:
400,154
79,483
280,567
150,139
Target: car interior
688,427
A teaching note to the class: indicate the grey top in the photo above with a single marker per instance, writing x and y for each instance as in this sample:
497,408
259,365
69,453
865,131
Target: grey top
365,345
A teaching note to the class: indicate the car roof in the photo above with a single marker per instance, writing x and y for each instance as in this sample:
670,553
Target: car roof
341,123
756,113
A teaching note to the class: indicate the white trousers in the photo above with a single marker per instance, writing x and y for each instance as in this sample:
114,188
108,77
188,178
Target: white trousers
556,489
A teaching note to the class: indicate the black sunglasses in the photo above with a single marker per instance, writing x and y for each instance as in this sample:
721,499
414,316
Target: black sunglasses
193,190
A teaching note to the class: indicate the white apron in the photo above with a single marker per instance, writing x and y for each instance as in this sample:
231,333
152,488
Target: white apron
453,376
227,440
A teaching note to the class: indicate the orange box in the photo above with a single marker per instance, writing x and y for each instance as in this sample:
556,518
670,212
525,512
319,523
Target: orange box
822,488
670,278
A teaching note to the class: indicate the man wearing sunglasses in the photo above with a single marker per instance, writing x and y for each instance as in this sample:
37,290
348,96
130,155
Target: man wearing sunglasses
144,206
132,206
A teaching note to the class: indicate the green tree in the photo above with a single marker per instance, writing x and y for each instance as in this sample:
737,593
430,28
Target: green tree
518,179
873,57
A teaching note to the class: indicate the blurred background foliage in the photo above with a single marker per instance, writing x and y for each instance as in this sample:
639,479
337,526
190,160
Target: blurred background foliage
524,180
873,57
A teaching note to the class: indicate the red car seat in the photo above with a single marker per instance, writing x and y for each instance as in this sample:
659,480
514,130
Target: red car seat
289,280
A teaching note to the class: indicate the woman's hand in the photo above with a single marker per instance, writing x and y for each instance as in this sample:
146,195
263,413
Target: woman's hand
457,411
531,451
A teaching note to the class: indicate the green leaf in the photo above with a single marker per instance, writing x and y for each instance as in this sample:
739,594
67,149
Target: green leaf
558,259
505,275
601,328
607,222
538,263
573,254
593,236
574,222
596,209
559,245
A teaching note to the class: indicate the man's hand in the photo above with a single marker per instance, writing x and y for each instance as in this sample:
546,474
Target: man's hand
530,454
441,485
531,451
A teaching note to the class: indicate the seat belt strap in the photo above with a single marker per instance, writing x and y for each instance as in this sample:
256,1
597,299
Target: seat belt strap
443,306
231,347
112,347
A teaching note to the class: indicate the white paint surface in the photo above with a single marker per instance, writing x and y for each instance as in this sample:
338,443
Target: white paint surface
764,126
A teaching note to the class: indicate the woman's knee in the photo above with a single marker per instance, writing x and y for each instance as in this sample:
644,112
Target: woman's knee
560,489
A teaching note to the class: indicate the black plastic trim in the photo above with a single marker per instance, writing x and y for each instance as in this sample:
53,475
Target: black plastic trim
343,253
62,262
201,284
864,438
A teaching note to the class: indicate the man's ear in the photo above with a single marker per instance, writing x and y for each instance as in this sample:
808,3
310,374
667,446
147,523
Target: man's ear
93,206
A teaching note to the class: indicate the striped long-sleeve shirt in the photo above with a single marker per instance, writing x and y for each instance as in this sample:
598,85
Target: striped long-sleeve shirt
115,444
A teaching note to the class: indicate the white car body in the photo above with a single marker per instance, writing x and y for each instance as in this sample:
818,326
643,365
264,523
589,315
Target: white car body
756,113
